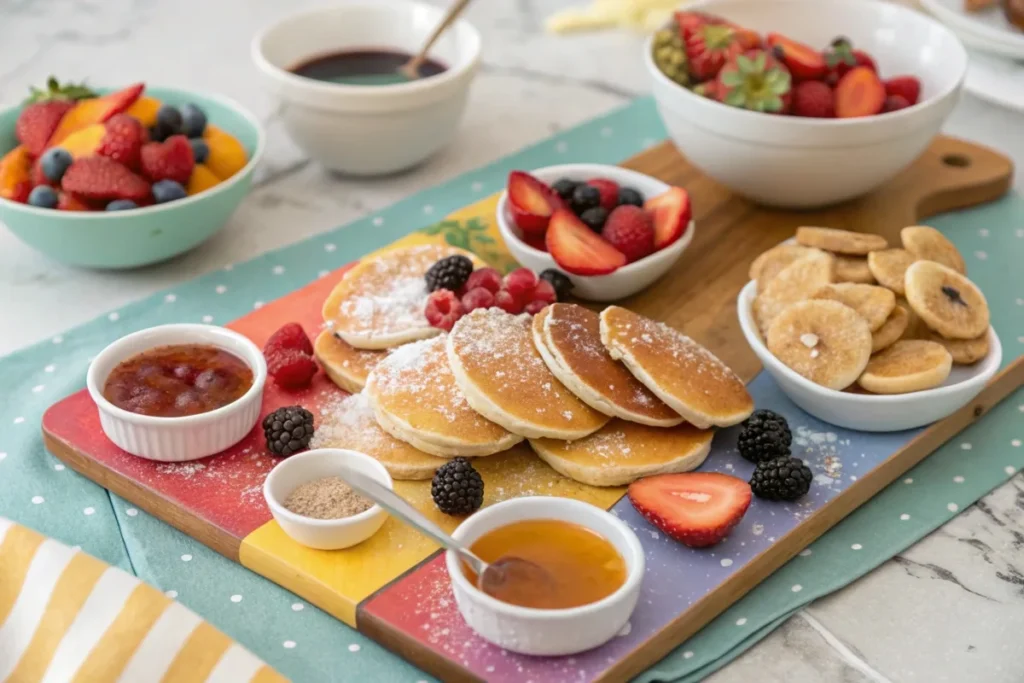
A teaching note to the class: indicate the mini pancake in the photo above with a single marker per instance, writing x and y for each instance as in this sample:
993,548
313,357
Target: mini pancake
622,452
795,282
770,263
892,330
853,269
928,244
840,241
416,399
947,301
379,303
906,366
568,338
344,364
350,424
889,266
963,351
872,303
504,378
678,370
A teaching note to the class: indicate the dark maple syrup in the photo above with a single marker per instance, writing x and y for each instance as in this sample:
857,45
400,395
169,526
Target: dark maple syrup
363,67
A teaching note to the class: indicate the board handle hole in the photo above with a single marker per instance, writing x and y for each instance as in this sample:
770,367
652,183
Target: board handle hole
956,160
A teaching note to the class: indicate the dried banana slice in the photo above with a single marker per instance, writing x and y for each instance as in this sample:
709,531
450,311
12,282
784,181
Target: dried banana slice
947,301
928,244
840,241
906,366
889,267
963,351
796,282
874,304
772,262
891,332
825,341
853,269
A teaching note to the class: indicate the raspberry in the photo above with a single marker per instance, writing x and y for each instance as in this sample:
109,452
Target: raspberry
630,231
290,336
544,291
488,278
535,307
478,297
443,309
507,302
609,190
291,368
520,283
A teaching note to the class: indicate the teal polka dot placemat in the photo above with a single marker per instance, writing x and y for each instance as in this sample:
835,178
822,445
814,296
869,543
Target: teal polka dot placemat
307,645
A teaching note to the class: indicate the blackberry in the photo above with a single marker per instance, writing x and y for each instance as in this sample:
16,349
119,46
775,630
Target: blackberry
594,218
457,488
631,197
765,435
288,430
560,281
449,273
584,197
564,188
782,478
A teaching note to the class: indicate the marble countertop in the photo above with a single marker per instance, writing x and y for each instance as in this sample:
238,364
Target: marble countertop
941,611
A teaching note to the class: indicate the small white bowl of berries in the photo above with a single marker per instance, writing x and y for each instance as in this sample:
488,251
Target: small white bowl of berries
610,231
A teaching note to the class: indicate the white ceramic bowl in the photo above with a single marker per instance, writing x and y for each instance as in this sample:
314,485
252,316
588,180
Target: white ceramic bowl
866,412
324,534
556,631
797,162
368,130
625,281
177,439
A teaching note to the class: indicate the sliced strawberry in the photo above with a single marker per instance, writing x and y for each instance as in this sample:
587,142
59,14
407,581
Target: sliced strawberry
859,93
697,509
609,190
531,201
578,249
37,122
671,213
536,240
803,61
907,87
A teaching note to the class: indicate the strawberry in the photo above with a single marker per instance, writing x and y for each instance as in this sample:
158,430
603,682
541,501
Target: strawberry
37,122
578,249
894,103
629,229
535,240
708,89
670,213
609,190
443,309
289,336
841,57
907,87
697,509
123,140
69,202
531,202
804,62
708,49
291,369
168,160
757,81
859,93
813,99
102,179
689,23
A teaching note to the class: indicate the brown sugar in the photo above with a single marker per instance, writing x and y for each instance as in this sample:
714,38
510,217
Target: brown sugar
326,498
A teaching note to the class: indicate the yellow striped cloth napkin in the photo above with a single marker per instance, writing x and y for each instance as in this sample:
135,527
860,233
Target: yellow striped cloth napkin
66,617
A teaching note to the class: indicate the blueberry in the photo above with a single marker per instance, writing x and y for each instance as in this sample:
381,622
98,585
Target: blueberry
160,132
168,191
564,187
193,121
200,150
121,205
54,162
560,281
585,197
169,118
43,196
627,195
595,218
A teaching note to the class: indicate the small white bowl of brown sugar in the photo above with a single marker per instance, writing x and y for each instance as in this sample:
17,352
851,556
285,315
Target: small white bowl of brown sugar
315,506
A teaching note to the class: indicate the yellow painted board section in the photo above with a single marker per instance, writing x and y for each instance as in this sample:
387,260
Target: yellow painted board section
336,581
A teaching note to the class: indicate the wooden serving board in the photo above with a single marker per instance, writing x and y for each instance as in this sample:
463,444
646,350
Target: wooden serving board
394,586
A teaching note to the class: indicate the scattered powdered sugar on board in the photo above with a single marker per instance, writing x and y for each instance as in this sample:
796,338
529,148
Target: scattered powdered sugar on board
821,451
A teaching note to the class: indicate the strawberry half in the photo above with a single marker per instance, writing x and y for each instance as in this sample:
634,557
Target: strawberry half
37,122
697,509
859,93
531,202
803,61
709,47
670,212
101,179
579,250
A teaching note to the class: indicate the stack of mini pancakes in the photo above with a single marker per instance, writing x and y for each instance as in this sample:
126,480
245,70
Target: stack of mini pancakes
604,399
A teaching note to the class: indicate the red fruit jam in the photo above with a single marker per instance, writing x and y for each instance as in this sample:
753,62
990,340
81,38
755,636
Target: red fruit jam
178,380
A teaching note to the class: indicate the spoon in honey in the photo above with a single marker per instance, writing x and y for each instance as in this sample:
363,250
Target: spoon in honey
508,575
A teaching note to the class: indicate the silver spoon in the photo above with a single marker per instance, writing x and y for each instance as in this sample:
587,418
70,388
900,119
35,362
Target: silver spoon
411,69
504,574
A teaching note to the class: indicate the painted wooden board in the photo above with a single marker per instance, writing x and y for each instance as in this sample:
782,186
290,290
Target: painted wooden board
394,588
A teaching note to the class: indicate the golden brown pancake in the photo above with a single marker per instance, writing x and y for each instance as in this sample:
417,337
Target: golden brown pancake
622,452
678,370
416,399
502,375
568,338
346,365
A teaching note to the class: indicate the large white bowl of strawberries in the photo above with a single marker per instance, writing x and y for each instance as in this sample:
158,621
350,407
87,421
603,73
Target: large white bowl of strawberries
611,231
803,103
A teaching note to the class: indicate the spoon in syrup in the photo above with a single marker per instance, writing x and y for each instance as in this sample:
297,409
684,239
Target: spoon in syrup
411,69
506,576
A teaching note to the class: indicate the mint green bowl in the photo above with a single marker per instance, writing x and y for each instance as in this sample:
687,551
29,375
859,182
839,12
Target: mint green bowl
129,239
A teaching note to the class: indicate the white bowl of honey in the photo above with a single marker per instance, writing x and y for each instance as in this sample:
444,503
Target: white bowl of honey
595,562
